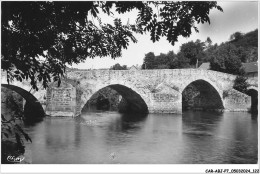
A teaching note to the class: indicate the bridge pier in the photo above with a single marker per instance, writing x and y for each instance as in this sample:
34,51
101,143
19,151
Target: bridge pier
61,101
236,101
165,103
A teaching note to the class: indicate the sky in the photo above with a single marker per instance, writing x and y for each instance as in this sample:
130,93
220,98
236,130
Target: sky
237,16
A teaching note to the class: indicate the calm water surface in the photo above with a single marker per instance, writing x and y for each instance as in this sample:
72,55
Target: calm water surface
111,137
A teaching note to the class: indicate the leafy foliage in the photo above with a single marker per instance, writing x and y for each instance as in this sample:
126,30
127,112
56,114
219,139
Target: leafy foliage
10,129
106,93
176,18
39,38
180,62
149,61
118,67
190,54
193,51
208,42
12,102
188,95
228,57
236,36
225,59
241,84
248,45
164,60
246,40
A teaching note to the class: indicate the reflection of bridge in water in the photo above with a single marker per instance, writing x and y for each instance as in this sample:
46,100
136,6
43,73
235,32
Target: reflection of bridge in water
153,91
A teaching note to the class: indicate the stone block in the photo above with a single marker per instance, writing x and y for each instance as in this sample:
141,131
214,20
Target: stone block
236,101
61,101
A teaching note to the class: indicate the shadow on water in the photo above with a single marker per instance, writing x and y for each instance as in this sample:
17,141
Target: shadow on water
254,116
200,123
130,121
118,122
133,117
124,129
32,122
201,116
119,128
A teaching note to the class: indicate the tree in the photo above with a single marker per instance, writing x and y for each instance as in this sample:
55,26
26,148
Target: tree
236,36
209,52
149,61
241,84
226,59
193,51
12,139
208,41
118,67
252,54
247,44
207,44
163,61
39,38
180,62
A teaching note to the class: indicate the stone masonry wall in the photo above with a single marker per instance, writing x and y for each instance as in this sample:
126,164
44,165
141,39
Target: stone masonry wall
61,101
236,101
158,90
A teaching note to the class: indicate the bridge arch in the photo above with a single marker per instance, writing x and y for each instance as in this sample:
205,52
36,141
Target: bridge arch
202,94
104,99
33,109
135,100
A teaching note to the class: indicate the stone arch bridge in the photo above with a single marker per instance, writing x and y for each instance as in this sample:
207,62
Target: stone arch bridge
153,91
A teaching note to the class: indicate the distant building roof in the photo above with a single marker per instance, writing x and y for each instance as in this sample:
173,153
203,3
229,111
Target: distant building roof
134,68
205,65
250,67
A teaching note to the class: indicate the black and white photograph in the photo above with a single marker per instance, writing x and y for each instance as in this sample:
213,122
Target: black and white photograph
128,83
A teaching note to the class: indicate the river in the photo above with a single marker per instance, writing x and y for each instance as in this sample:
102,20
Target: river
113,138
